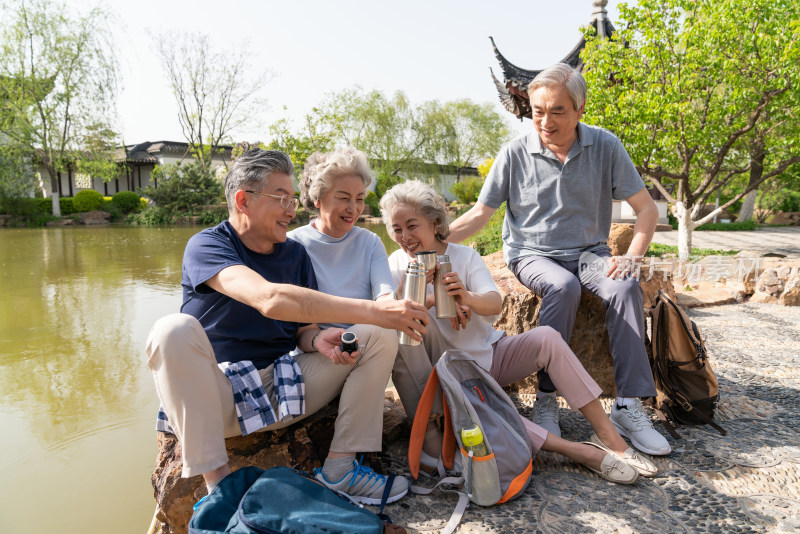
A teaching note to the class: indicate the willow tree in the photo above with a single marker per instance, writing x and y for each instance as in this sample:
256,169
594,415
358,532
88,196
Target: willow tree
701,92
58,79
465,133
217,91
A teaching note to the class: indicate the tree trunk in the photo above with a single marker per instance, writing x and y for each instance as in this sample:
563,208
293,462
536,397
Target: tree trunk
684,217
746,211
756,172
54,186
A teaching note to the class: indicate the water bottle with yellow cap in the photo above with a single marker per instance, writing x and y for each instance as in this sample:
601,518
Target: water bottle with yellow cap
472,438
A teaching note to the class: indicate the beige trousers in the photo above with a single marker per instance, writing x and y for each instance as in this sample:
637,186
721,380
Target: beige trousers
198,399
515,358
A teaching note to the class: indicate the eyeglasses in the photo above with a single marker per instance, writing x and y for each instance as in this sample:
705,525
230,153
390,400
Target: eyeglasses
286,199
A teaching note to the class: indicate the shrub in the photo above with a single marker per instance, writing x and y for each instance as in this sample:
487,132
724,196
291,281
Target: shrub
126,201
373,202
214,216
466,191
87,200
490,238
791,202
184,188
384,182
152,216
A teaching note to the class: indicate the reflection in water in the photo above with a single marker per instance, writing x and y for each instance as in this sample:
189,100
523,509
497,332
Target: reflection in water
77,404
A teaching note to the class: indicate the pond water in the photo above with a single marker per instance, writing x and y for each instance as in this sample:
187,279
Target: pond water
77,403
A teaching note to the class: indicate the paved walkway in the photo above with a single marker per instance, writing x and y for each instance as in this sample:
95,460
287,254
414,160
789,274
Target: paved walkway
781,240
747,481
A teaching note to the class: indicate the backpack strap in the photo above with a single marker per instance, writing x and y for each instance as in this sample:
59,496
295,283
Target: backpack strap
461,505
665,423
421,423
449,440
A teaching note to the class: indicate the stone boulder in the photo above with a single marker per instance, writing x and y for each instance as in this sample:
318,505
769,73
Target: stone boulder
619,238
589,337
94,217
301,446
791,292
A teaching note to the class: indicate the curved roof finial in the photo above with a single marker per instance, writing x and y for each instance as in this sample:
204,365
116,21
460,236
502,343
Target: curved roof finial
600,16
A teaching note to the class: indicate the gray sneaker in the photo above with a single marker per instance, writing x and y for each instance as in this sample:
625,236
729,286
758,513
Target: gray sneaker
635,425
642,464
545,414
365,486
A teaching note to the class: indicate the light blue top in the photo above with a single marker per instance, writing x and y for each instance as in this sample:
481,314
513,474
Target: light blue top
354,266
554,209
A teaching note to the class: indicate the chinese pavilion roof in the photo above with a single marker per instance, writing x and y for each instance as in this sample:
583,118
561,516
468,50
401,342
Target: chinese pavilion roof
512,91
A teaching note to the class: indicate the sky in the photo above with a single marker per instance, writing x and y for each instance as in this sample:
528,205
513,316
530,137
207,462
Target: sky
429,49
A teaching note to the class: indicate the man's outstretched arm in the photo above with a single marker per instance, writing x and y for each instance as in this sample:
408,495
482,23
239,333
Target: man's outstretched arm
469,223
287,302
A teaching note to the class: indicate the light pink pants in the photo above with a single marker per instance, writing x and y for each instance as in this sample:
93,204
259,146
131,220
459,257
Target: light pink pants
515,358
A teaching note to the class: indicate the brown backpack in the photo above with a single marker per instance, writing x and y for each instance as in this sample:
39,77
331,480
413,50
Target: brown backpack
687,389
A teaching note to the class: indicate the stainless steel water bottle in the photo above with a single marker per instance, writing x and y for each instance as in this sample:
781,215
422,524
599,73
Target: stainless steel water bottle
414,285
427,258
445,304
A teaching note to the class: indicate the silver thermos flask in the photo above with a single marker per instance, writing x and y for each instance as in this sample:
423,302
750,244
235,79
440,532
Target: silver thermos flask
414,285
445,304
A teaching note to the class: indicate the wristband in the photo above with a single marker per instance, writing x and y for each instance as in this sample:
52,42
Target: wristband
312,341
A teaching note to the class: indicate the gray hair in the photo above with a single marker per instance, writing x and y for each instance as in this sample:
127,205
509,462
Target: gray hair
252,169
322,169
562,74
422,198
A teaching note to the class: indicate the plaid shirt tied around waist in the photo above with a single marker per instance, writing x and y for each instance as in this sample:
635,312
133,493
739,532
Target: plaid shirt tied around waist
253,407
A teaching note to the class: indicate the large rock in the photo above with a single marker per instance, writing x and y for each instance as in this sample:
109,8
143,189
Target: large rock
302,446
619,238
589,339
791,291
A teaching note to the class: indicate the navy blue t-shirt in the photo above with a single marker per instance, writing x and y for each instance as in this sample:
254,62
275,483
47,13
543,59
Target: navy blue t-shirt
238,331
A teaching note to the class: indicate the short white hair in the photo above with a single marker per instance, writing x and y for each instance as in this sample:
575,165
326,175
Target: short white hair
422,198
322,168
562,74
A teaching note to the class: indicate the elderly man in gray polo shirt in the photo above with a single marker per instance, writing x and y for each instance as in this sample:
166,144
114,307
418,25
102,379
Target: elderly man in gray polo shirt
558,183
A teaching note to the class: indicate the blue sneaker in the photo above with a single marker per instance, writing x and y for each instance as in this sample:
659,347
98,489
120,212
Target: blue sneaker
365,486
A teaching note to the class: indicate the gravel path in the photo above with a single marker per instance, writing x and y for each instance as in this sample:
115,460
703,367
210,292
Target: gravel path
747,481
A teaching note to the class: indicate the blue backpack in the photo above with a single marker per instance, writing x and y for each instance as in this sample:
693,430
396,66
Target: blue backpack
281,500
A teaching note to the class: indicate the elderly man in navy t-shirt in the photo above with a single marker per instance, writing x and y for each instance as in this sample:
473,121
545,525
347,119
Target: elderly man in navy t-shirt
246,355
558,183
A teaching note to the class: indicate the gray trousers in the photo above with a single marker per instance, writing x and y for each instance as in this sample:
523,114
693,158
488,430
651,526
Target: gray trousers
560,283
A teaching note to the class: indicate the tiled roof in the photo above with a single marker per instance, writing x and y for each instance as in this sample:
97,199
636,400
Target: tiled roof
146,152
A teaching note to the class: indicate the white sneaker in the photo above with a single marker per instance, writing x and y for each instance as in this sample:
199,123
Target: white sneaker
545,414
634,424
642,464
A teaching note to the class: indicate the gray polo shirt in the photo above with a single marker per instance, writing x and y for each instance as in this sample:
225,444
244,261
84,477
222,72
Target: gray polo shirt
559,210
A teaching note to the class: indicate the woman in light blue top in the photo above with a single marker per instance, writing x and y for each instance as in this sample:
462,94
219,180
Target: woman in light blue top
349,261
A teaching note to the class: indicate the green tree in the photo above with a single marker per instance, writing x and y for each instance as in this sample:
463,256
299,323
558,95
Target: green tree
464,133
16,173
58,80
216,92
700,92
391,131
317,135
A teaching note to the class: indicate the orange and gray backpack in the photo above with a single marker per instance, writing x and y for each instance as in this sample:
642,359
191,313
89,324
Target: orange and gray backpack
687,389
473,398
